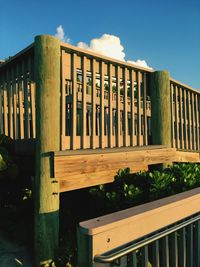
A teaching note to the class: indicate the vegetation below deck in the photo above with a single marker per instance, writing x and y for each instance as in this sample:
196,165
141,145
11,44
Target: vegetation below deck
127,190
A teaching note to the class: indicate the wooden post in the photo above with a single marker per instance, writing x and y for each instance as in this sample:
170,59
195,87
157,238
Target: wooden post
47,78
161,110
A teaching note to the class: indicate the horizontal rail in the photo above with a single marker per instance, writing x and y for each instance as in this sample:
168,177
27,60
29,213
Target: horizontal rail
130,248
91,54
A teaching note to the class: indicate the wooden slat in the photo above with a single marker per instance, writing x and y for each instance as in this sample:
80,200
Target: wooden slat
145,137
138,108
1,114
32,97
84,109
132,108
9,92
5,105
118,113
185,119
14,95
20,97
63,96
176,116
74,105
189,120
93,134
181,118
172,114
110,131
193,122
125,109
102,136
197,120
26,107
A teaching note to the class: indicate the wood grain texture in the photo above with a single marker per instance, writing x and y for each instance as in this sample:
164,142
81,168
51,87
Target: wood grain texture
84,170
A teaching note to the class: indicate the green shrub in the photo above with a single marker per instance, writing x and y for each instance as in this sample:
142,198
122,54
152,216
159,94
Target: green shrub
132,189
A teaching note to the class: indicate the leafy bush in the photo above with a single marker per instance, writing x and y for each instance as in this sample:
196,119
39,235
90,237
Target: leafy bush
129,190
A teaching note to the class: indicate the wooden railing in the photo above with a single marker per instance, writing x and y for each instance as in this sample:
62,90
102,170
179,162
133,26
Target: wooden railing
185,109
152,234
104,103
17,96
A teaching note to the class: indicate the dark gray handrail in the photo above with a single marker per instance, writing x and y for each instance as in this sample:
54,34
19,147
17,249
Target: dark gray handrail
131,248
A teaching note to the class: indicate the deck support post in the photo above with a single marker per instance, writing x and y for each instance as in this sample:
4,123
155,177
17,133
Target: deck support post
46,192
161,109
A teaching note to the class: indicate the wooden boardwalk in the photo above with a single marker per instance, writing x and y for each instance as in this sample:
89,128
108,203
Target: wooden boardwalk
85,116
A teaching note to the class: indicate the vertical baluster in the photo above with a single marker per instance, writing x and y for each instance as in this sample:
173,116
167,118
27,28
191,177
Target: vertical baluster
63,98
181,118
26,108
74,103
9,95
118,143
102,138
110,132
21,100
5,105
174,250
182,248
132,108
185,119
155,254
139,108
14,95
145,142
145,256
32,96
172,113
132,259
193,122
1,114
189,120
189,248
125,108
165,252
93,135
197,119
84,108
196,254
176,116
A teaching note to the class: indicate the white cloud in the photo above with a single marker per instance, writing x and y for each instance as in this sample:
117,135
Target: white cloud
140,63
110,45
107,45
60,34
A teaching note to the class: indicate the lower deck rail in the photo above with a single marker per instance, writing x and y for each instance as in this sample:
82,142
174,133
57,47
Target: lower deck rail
162,233
178,245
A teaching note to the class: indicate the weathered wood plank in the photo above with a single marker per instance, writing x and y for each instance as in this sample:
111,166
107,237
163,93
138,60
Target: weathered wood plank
78,171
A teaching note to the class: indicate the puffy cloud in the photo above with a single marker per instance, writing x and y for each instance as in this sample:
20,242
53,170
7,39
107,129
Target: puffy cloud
107,45
140,63
110,45
60,34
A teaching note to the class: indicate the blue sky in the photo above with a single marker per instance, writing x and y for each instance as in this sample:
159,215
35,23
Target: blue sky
166,34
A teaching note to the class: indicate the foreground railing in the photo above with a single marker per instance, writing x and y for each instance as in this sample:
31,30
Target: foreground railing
178,245
163,233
